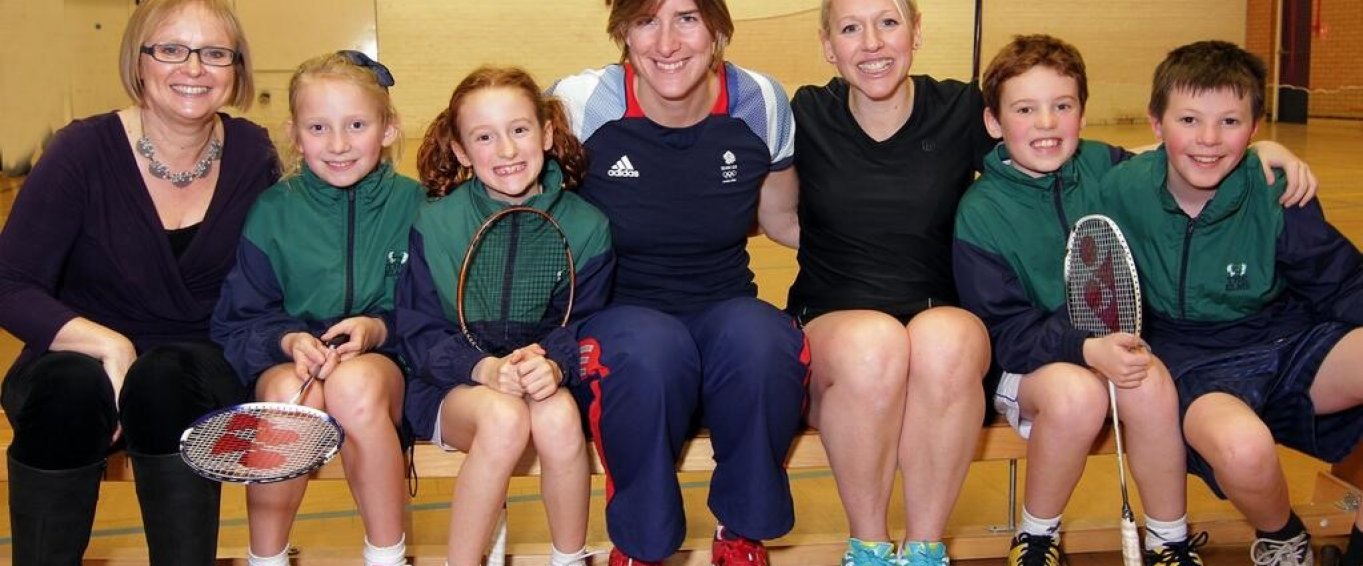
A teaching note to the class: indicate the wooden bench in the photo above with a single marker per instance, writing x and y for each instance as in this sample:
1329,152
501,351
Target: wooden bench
1329,512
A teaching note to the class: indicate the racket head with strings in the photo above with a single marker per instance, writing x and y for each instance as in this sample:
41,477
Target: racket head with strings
1102,290
517,281
260,442
263,442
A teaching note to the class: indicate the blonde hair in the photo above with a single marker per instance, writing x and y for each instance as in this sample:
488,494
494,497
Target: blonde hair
908,9
439,168
715,14
337,67
152,14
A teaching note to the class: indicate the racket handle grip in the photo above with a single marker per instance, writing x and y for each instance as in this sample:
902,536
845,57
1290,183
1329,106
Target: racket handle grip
1131,544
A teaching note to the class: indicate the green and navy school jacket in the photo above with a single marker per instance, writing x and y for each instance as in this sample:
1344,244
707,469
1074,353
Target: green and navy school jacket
312,254
1008,253
439,356
1244,272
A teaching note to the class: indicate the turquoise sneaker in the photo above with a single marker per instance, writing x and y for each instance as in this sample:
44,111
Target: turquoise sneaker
922,554
862,553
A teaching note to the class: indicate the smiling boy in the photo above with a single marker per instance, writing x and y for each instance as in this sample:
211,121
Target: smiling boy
1254,307
1011,230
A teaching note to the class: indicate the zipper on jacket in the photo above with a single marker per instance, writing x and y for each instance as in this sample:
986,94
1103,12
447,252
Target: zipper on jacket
350,252
1056,188
1183,269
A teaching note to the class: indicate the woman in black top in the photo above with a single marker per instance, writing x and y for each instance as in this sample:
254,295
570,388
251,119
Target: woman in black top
883,158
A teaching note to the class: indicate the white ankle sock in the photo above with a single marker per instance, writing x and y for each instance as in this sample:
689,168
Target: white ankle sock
559,558
1159,532
281,559
395,555
1038,527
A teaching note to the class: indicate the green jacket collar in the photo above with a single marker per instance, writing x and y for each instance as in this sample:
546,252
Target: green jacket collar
369,188
551,183
1230,194
996,162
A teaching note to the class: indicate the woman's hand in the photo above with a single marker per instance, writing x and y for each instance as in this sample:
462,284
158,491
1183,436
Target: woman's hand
113,350
366,333
116,360
1122,358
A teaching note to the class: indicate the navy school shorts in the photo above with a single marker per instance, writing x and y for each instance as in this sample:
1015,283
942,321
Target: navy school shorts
1275,380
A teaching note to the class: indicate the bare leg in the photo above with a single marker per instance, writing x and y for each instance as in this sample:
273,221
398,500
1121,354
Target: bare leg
365,395
565,477
271,507
859,377
1337,386
1241,451
494,429
1067,405
942,418
1154,444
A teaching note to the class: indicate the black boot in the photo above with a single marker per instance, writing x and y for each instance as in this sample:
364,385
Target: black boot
179,511
51,513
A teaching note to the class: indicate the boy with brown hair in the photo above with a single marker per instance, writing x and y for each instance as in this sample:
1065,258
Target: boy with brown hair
1254,307
1011,230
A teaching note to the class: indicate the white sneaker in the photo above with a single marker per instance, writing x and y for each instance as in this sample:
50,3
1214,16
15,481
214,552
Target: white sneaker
1295,551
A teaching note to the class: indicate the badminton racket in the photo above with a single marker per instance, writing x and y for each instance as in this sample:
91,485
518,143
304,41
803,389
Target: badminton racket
1103,296
263,442
516,282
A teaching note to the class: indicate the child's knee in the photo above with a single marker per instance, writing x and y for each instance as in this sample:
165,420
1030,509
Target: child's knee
361,388
1155,398
1238,451
557,417
503,423
1072,397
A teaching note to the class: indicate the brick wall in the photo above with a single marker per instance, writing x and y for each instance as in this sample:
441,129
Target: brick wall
1336,52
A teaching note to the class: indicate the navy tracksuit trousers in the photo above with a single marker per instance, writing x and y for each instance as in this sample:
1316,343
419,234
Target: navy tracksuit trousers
737,367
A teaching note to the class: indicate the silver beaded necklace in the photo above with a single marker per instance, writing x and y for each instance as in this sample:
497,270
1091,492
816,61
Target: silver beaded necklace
180,179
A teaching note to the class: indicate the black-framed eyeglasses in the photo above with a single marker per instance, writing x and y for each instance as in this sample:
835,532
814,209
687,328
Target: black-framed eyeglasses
176,53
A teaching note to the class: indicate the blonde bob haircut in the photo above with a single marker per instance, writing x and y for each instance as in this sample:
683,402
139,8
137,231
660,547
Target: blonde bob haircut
908,9
625,13
152,14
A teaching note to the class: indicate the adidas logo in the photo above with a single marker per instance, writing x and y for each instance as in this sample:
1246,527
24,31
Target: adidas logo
623,168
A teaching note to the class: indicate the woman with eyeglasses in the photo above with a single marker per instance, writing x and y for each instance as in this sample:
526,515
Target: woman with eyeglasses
110,265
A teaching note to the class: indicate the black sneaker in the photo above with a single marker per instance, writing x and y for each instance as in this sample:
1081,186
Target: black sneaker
1035,550
1181,553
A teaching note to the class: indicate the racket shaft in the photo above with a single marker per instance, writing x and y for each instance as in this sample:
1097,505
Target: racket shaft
312,376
